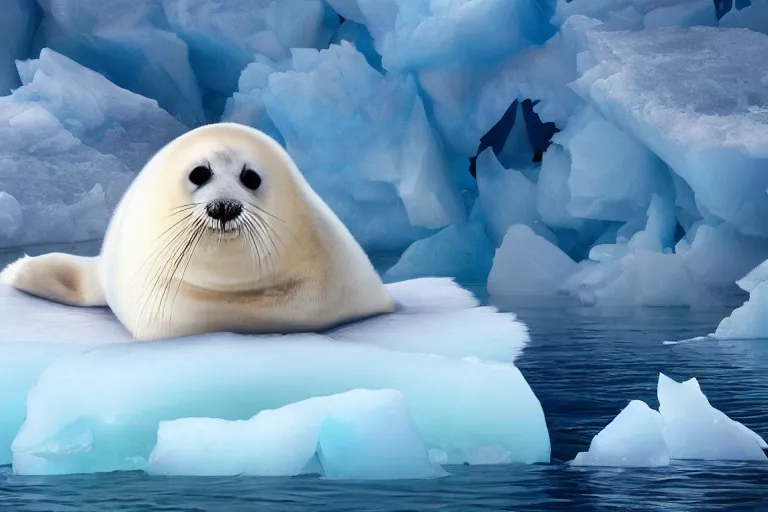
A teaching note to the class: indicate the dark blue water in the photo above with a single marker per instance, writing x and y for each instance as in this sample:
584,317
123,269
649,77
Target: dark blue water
584,364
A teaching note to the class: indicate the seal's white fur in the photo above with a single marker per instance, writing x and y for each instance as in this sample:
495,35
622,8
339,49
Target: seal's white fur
289,265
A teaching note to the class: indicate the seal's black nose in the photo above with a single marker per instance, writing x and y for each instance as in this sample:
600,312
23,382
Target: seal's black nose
224,211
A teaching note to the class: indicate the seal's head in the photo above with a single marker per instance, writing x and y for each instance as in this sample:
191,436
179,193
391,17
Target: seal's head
234,181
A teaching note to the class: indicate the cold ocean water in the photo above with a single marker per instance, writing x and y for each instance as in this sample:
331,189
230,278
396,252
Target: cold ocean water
584,364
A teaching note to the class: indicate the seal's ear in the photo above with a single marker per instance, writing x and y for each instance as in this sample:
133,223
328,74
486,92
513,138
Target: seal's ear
64,278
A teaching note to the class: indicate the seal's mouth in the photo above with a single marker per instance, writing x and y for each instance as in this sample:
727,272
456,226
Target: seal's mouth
224,215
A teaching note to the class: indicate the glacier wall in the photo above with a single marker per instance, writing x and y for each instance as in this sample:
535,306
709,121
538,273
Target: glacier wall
612,150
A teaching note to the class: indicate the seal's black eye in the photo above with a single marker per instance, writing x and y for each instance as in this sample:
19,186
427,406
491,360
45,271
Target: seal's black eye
200,176
250,179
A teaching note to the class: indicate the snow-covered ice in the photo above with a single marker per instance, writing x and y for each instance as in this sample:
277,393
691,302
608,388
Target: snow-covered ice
686,427
358,434
99,408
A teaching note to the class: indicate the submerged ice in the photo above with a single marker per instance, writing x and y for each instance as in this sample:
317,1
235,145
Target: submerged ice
686,427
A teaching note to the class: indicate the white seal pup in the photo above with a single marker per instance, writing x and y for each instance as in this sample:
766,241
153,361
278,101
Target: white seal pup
219,231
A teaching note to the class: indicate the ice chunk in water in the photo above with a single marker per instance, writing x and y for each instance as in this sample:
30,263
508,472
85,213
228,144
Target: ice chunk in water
693,429
748,321
711,132
463,252
130,43
364,143
686,427
107,420
527,264
359,434
632,439
17,25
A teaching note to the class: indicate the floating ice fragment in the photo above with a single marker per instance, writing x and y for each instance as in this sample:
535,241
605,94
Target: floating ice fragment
693,429
749,320
632,439
527,264
686,427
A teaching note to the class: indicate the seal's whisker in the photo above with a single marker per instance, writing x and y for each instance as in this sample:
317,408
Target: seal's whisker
185,207
164,281
259,239
197,236
269,252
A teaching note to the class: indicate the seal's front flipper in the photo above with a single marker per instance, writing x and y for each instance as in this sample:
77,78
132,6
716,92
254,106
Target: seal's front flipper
64,278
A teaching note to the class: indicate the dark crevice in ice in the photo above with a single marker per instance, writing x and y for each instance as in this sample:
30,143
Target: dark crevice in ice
539,133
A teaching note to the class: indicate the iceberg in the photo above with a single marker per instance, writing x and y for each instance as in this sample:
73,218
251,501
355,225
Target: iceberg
83,137
224,37
359,434
98,406
686,427
131,44
711,132
364,142
103,116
